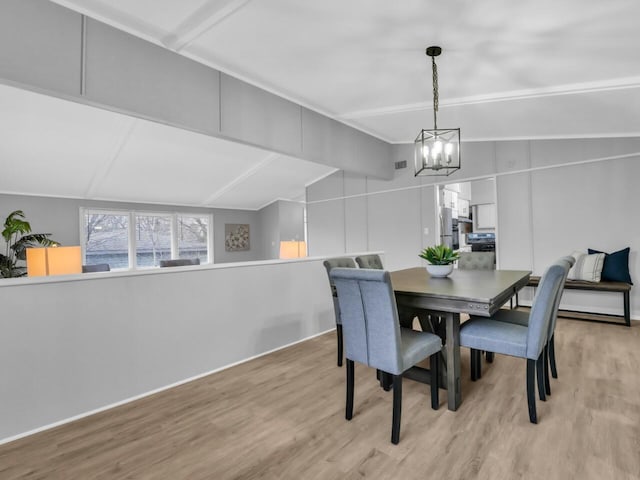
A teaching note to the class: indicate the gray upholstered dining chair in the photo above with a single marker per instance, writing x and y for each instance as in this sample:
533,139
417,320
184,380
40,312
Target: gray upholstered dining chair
518,340
373,336
477,261
522,318
340,262
369,261
179,262
98,267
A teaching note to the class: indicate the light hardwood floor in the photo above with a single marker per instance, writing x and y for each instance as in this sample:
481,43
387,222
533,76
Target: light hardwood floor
282,417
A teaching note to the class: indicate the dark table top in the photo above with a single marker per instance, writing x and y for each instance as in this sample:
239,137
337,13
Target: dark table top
478,292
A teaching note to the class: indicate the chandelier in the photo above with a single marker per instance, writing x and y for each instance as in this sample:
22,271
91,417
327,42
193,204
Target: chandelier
437,151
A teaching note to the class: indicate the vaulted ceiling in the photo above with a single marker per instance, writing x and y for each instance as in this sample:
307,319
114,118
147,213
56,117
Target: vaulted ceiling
509,70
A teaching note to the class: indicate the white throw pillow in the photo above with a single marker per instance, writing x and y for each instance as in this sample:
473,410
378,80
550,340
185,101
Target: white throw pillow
587,267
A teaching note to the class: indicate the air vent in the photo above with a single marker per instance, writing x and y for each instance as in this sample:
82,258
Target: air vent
402,164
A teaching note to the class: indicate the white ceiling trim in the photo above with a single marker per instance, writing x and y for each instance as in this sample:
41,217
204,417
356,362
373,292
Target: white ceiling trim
239,179
573,89
321,177
104,13
200,22
103,170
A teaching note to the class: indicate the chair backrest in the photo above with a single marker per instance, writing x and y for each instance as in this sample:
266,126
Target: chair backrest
569,258
566,263
98,267
542,309
179,262
477,261
339,262
370,324
370,261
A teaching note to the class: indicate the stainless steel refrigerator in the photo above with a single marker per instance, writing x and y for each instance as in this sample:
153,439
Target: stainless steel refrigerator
446,227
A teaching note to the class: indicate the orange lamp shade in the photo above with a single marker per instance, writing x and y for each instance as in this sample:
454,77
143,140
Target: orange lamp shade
64,260
293,249
54,261
36,262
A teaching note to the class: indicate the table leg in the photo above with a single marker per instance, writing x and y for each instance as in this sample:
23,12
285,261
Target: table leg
454,394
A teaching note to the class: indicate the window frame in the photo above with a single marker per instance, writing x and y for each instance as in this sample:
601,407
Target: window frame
132,215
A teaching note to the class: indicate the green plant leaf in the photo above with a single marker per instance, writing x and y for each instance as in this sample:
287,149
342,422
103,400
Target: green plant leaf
13,224
439,255
30,241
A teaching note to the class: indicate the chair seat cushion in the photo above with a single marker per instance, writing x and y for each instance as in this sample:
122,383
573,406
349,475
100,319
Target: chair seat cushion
510,316
416,346
494,336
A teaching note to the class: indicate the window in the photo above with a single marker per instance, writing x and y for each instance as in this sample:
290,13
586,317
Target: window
153,240
193,237
107,237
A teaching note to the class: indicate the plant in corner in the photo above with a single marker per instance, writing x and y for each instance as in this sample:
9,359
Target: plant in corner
18,237
439,255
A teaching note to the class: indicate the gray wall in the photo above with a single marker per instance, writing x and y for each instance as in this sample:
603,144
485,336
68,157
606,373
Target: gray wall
60,217
280,220
270,228
553,197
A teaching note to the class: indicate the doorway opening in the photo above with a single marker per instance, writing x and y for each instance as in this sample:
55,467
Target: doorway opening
467,215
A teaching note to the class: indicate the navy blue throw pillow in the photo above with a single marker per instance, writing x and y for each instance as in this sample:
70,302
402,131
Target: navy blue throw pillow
616,266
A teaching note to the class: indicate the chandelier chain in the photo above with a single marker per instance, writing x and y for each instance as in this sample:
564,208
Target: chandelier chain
435,91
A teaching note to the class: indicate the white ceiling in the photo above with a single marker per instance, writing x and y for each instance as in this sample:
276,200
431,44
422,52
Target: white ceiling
64,149
509,70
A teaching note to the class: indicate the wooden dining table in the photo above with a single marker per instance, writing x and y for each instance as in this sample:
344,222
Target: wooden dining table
431,299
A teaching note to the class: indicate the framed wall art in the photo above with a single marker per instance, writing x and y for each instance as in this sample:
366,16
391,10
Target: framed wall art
236,237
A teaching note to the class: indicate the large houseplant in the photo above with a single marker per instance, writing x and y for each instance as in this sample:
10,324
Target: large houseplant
18,237
440,258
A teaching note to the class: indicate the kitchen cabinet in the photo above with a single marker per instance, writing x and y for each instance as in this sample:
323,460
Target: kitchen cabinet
463,207
485,216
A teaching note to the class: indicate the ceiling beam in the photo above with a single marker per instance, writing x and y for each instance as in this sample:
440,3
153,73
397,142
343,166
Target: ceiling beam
201,21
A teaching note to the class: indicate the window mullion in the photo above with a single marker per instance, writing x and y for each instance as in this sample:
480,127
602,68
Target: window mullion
133,226
174,236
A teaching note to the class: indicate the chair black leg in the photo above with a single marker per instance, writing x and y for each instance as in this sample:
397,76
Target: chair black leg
531,390
478,364
541,375
386,381
434,364
474,375
339,333
397,408
490,356
552,357
545,356
350,372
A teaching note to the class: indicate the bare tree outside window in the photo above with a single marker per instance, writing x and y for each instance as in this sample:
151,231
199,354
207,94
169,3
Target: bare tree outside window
193,234
153,235
107,239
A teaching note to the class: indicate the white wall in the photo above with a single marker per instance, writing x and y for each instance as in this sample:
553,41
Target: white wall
553,196
71,347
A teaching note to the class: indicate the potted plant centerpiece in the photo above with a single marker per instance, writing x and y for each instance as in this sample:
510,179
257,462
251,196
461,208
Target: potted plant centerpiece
440,258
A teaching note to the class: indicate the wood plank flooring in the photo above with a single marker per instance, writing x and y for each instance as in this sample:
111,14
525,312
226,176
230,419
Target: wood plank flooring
282,417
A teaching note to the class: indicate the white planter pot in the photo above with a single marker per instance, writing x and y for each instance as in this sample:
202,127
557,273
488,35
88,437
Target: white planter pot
440,270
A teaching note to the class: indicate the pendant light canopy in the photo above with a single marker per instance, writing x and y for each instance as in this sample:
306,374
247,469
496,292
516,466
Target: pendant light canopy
437,151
